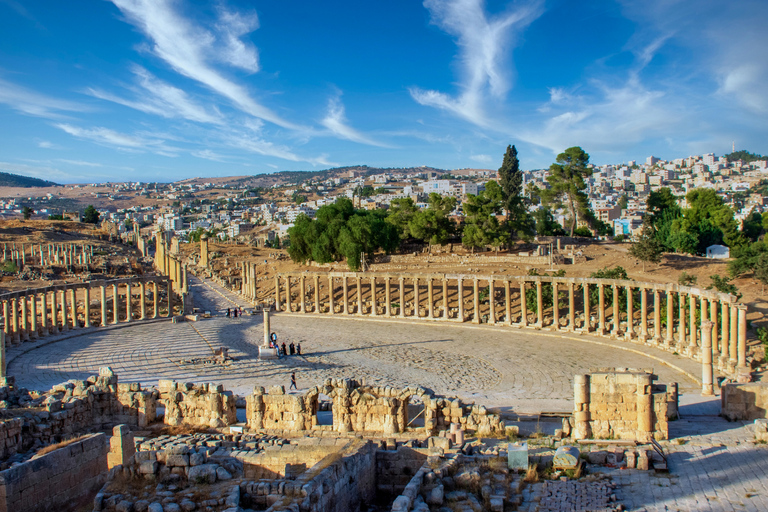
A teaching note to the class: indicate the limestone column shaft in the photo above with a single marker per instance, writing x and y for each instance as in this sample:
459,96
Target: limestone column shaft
54,313
43,311
670,319
288,298
585,287
277,293
116,305
713,319
402,298
507,303
64,310
601,309
571,308
143,299
373,297
539,305
555,307
331,291
7,329
24,318
742,343
129,303
725,332
3,369
359,296
345,296
430,298
33,311
302,294
15,320
170,297
416,298
681,335
630,332
616,314
707,387
523,305
643,314
703,314
656,316
445,298
317,294
155,300
476,301
491,303
388,297
87,306
73,308
266,327
460,285
692,323
103,297
734,336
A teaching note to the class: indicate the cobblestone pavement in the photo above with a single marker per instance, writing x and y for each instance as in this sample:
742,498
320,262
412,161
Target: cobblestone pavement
515,369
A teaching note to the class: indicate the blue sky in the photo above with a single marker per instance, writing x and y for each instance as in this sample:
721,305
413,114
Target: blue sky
160,90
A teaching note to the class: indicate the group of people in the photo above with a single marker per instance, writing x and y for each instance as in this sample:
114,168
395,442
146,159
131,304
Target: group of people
233,312
283,350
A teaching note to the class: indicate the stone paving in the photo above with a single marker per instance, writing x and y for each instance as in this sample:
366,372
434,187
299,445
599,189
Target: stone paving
514,369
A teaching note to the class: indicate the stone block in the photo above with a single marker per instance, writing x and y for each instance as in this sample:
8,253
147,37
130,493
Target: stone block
517,456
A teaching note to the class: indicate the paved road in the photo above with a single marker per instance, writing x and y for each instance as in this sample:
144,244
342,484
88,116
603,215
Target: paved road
519,370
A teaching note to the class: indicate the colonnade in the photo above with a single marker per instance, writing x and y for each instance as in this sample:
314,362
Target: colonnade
38,312
671,317
48,254
168,264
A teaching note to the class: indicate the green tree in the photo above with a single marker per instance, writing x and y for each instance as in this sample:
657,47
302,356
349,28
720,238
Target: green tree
519,222
761,271
546,225
401,212
482,227
433,224
567,184
687,279
27,212
90,215
723,285
623,202
746,258
752,227
647,248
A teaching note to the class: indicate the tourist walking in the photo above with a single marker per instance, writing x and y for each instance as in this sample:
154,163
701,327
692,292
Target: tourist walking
293,382
298,349
283,348
292,348
235,312
229,312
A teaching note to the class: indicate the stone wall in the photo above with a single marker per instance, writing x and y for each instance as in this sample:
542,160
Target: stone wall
10,437
744,401
59,481
396,468
462,259
361,408
203,404
623,404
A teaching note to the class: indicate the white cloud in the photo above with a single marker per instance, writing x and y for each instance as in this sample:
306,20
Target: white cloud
336,122
122,141
232,27
265,148
483,46
46,173
46,144
207,154
188,50
34,104
483,159
162,99
81,163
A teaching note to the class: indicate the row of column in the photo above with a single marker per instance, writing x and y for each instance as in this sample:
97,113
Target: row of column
49,254
669,319
38,313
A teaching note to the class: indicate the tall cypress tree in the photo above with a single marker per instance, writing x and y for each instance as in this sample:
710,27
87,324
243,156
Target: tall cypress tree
519,222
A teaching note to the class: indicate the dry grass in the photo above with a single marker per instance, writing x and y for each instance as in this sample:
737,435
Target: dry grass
51,447
532,475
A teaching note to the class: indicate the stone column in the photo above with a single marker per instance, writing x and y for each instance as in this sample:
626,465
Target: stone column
116,304
155,300
507,303
644,408
87,306
43,310
539,306
643,314
725,355
616,315
302,294
345,296
359,296
54,312
460,286
670,319
656,316
476,301
64,310
402,297
431,298
170,298
571,307
681,322
581,414
703,314
33,311
7,319
331,291
585,287
491,303
143,299
692,323
277,293
317,294
24,319
601,311
523,305
374,312
416,297
445,298
15,320
555,307
3,369
288,298
707,387
129,303
713,319
741,362
103,297
267,330
630,332
388,297
73,308
734,336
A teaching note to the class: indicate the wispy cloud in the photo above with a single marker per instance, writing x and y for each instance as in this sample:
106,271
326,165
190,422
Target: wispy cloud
110,138
46,172
46,144
32,103
190,50
483,46
80,163
335,120
259,146
207,154
483,159
232,26
160,98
